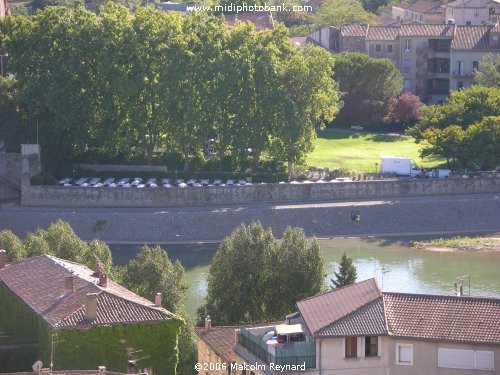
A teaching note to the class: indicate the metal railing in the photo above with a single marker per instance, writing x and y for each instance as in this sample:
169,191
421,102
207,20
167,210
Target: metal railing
259,349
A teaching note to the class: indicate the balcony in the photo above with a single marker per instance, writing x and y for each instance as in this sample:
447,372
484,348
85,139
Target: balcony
438,67
440,45
463,74
283,352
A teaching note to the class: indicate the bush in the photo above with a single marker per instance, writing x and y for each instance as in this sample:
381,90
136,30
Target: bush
197,162
43,178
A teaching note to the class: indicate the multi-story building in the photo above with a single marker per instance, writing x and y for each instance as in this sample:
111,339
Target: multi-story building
360,330
433,59
471,12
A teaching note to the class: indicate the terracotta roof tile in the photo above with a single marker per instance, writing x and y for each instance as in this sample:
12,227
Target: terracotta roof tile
383,32
221,339
261,20
353,30
471,3
322,310
471,37
465,319
39,282
367,320
427,30
423,6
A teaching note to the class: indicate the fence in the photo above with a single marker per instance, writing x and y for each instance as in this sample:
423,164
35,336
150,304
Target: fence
302,352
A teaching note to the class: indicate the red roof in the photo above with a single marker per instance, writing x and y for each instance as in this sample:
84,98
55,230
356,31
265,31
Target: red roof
260,20
39,282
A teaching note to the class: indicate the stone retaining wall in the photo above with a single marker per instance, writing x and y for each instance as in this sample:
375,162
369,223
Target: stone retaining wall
221,195
10,175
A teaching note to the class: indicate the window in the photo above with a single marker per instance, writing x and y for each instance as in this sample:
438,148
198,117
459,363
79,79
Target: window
371,346
351,347
406,85
468,23
460,67
476,13
466,359
406,66
404,354
378,47
475,65
407,45
389,48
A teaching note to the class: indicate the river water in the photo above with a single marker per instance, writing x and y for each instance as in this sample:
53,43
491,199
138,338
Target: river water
396,266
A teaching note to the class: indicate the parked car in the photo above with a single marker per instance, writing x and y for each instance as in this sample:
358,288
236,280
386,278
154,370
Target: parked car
191,182
108,181
151,182
242,182
81,181
64,182
136,182
217,182
229,182
205,182
94,180
122,182
179,181
182,185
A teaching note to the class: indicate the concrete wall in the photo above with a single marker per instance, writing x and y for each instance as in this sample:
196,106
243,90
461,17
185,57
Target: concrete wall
10,175
217,195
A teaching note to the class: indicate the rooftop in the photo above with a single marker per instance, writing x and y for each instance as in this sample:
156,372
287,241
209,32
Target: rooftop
471,3
40,283
261,20
472,37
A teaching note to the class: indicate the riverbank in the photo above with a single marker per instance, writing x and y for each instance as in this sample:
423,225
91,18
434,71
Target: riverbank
463,244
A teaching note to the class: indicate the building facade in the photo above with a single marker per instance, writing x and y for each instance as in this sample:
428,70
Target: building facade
471,12
359,330
433,59
63,313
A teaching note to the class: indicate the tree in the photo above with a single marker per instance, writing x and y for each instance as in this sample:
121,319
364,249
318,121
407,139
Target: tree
489,75
404,109
153,272
281,273
58,240
448,142
463,108
366,83
346,274
340,12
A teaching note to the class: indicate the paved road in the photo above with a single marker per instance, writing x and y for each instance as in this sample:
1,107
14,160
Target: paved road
382,217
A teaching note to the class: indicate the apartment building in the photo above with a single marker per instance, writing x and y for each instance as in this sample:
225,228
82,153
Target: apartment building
360,330
433,59
419,11
471,12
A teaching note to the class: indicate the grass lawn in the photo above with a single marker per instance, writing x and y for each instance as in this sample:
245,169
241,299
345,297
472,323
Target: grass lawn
360,151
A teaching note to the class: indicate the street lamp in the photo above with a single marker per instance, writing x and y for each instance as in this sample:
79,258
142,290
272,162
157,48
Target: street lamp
1,62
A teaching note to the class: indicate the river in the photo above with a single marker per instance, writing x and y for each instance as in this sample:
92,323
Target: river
396,266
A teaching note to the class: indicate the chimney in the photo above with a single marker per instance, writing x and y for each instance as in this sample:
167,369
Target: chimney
3,258
158,300
91,306
68,284
103,280
208,323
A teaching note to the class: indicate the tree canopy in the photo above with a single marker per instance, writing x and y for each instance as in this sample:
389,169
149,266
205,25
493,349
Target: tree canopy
489,73
267,277
341,12
366,84
122,85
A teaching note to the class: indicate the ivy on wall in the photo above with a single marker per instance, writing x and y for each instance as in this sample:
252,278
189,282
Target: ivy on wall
155,344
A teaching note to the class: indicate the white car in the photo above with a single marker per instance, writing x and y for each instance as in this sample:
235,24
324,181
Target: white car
151,182
204,182
191,182
64,181
182,185
108,181
136,182
122,182
81,181
179,181
94,180
242,182
229,182
217,182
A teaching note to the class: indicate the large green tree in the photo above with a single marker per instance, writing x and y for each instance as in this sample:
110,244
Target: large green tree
341,12
267,277
367,84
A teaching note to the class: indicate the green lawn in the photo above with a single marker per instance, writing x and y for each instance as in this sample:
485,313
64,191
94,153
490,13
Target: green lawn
360,151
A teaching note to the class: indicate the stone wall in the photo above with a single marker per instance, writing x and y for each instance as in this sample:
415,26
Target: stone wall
259,193
10,176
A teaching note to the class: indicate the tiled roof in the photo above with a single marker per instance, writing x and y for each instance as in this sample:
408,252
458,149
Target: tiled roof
462,319
423,6
353,30
471,37
322,310
221,339
40,281
261,20
427,30
382,33
367,320
471,3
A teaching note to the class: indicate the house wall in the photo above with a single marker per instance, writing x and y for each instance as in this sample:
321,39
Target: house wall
393,56
330,357
211,362
425,357
476,16
10,175
468,75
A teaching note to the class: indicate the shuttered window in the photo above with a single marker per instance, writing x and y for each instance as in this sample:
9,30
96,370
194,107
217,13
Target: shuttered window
404,354
466,359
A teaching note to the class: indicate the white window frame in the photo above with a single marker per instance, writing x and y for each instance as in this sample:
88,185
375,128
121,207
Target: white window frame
398,362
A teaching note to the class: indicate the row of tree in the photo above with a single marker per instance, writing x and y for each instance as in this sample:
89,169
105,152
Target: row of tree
127,83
